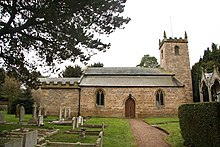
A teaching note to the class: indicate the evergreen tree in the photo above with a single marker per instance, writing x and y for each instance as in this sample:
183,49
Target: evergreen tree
148,61
54,31
70,71
207,62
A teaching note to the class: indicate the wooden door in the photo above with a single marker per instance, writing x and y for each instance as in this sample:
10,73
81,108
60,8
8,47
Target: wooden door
130,108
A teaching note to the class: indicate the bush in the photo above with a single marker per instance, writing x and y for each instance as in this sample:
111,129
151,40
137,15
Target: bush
200,124
27,103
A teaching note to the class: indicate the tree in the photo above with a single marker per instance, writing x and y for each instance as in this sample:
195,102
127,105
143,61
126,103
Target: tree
97,65
10,90
148,61
24,99
54,31
70,71
207,62
2,77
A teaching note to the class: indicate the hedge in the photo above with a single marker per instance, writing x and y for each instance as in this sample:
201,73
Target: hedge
200,124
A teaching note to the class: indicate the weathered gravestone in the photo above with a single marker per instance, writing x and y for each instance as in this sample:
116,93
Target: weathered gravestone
60,114
40,120
69,112
17,110
73,123
80,118
21,114
34,112
33,120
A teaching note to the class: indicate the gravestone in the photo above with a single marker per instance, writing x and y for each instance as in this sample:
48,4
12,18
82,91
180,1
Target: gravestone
21,114
77,122
33,120
17,110
1,117
40,120
69,112
73,123
80,118
60,114
34,113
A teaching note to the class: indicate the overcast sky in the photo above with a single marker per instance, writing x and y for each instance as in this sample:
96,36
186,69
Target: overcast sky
149,18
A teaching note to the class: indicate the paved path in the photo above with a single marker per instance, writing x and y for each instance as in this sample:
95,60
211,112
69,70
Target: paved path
147,136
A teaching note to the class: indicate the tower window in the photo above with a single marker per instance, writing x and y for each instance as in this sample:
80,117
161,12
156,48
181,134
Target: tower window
100,98
159,98
162,54
176,50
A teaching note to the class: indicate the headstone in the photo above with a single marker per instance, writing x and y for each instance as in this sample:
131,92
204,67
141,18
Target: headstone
34,112
1,117
17,110
21,114
69,112
73,123
80,120
77,122
60,114
40,120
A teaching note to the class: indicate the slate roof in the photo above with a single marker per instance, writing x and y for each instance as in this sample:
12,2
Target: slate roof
128,77
59,80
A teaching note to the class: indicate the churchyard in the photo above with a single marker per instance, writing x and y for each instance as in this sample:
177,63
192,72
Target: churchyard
116,130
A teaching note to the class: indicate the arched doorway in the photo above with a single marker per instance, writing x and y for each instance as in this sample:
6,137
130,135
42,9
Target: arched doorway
130,108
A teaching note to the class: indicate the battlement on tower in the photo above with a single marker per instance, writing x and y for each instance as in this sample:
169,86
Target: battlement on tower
172,40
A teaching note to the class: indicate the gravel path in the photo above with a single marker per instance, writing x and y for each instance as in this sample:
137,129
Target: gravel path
147,136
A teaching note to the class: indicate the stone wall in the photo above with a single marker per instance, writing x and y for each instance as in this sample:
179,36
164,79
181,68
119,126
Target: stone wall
145,101
55,98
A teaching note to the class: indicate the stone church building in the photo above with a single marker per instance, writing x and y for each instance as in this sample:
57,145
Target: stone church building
131,92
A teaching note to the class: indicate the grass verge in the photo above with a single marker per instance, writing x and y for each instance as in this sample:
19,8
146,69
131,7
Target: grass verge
171,125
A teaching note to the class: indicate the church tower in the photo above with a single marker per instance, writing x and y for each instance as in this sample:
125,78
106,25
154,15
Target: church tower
174,57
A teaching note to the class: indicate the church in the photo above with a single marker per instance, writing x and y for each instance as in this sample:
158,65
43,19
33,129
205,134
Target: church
127,92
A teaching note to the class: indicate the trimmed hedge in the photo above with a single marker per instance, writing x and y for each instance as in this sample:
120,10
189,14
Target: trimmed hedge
200,124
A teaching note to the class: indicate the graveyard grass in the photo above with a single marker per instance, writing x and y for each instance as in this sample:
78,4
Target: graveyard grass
117,132
171,125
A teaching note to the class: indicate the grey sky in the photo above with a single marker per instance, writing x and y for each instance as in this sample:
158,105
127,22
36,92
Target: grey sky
149,18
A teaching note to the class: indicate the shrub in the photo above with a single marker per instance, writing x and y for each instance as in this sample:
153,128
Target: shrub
200,124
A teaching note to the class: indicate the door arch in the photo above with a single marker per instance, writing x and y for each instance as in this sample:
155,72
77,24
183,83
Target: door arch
130,108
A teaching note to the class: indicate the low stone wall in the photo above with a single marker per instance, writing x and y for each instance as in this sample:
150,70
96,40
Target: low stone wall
98,143
12,142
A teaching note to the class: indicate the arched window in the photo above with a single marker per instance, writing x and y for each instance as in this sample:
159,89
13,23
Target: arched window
159,98
100,98
176,50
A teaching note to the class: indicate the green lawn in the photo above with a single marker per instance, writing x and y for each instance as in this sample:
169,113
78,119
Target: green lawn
171,125
117,132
